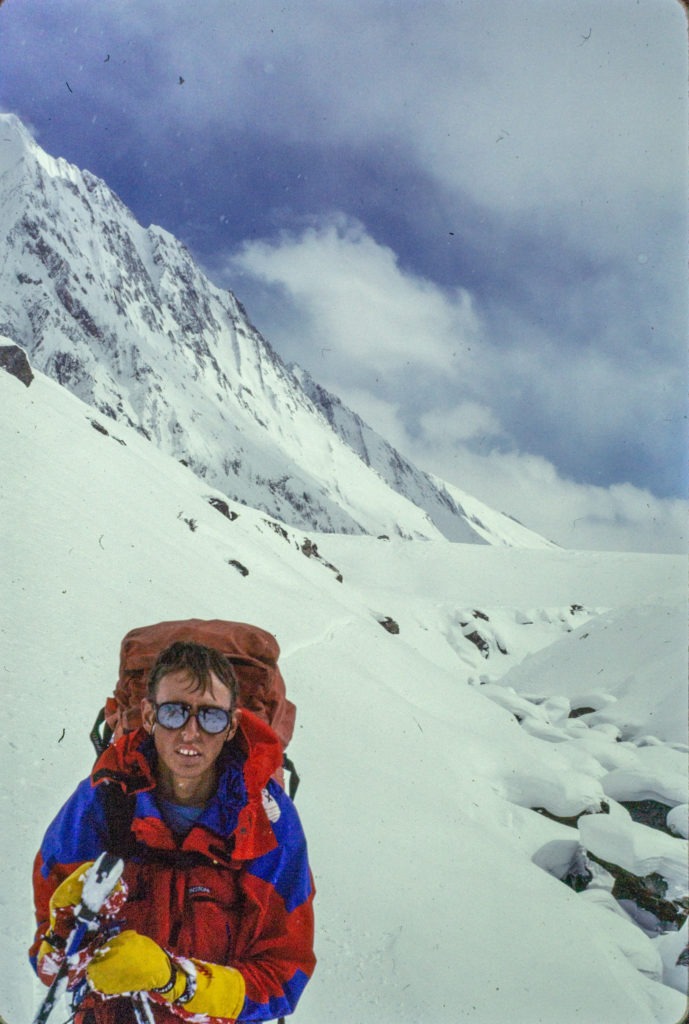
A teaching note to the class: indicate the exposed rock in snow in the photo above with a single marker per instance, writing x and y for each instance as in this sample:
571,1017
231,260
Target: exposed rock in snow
642,851
13,360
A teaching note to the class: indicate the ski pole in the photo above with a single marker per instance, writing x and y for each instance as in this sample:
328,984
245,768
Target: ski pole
142,1008
99,881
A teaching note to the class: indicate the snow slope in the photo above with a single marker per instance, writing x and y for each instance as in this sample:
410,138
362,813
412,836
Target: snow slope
439,891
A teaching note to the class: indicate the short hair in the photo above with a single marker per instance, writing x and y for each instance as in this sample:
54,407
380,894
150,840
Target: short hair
199,662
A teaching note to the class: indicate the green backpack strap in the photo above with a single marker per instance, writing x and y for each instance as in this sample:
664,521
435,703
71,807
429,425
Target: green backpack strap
294,780
101,733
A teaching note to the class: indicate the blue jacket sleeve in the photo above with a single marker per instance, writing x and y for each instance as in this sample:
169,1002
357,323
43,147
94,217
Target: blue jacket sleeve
77,834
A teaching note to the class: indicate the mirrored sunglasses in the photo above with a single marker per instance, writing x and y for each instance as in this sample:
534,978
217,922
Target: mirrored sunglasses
173,714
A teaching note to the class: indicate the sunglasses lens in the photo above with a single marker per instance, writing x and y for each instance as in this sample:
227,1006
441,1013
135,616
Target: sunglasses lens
213,720
171,715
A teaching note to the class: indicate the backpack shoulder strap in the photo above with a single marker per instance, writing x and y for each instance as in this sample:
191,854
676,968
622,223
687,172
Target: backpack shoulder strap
119,814
289,766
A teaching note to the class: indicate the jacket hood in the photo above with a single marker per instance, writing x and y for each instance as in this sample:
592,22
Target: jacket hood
130,762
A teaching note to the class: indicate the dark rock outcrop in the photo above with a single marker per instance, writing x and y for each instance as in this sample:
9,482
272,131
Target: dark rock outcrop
390,625
13,360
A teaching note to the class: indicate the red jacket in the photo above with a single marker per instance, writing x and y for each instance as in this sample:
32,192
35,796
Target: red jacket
237,890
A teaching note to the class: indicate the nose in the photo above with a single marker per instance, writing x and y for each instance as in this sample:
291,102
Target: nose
191,728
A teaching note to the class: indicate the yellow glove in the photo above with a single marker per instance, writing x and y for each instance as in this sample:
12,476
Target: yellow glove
129,962
209,989
61,916
62,903
68,892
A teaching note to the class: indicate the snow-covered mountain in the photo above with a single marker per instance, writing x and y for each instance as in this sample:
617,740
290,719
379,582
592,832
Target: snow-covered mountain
493,786
122,316
449,508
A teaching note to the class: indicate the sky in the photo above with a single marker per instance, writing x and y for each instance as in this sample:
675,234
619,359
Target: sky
467,219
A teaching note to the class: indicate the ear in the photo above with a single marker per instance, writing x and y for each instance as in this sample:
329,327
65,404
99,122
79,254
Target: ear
234,724
148,715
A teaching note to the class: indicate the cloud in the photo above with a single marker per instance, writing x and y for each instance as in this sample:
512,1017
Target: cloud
357,304
548,112
458,446
599,407
579,390
551,112
466,421
576,515
421,366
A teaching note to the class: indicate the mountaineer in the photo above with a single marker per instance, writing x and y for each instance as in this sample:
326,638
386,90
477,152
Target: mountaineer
212,918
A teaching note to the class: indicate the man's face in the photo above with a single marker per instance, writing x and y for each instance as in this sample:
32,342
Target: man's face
186,756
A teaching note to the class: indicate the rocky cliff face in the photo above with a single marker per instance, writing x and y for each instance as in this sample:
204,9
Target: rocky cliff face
122,316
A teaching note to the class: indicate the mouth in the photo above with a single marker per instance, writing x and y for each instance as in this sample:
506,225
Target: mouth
188,752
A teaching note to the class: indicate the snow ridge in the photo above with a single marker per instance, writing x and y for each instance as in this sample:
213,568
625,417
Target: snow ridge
123,317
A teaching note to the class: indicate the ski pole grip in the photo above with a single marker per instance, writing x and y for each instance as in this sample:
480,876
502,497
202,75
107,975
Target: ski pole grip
101,878
99,882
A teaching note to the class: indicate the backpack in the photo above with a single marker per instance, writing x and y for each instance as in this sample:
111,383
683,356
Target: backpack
254,655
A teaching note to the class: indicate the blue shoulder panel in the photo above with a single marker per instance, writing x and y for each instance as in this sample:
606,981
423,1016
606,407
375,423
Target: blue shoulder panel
78,832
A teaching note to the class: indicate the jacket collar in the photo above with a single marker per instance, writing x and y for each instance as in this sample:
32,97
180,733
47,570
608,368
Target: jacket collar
249,761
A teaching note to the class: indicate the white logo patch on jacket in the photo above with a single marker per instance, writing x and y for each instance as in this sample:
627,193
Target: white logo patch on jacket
270,806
